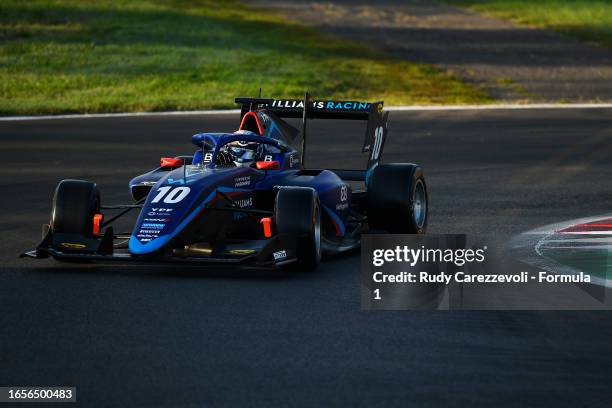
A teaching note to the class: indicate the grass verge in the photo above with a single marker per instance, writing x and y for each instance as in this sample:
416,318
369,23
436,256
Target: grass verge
70,56
585,19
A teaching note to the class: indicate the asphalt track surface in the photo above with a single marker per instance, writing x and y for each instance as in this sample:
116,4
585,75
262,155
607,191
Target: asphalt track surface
142,336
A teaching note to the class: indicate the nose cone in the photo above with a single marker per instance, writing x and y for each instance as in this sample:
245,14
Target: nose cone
178,198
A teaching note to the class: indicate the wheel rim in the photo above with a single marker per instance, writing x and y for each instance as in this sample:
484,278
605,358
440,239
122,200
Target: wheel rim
420,204
317,231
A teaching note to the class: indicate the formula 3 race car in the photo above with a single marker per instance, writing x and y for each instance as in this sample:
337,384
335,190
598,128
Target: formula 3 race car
246,197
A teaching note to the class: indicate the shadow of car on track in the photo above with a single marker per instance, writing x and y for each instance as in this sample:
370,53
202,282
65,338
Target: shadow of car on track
184,271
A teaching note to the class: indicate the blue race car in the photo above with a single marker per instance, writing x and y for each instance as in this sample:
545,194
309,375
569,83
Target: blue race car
246,197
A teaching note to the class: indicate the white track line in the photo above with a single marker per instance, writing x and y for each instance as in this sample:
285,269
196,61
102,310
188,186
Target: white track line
416,108
119,115
583,240
501,107
579,247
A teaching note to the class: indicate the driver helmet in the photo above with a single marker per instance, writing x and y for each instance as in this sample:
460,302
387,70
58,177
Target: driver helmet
245,132
242,156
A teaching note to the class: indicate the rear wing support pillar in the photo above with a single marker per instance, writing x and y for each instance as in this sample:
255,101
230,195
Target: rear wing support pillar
304,117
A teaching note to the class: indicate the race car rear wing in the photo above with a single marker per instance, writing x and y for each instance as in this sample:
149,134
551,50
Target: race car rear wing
376,129
294,108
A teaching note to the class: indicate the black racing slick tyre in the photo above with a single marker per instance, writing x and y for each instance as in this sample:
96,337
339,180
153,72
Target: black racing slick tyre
74,205
397,199
297,210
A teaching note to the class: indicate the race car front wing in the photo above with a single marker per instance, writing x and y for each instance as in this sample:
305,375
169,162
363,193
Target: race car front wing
276,251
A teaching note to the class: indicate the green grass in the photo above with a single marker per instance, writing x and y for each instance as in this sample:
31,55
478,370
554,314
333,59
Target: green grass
67,56
585,19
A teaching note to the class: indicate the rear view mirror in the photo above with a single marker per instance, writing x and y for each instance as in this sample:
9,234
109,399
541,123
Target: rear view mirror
267,165
170,162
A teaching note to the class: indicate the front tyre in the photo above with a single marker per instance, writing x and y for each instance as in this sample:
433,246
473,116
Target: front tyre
397,199
75,203
297,210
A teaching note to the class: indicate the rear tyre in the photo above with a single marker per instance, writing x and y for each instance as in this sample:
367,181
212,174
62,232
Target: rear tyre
297,211
397,199
74,205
